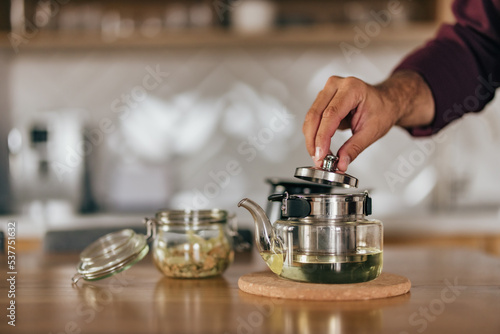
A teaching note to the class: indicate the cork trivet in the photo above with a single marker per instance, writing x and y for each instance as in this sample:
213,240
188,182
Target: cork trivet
268,284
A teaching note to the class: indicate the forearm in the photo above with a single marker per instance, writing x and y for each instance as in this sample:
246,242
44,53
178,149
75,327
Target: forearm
461,64
410,98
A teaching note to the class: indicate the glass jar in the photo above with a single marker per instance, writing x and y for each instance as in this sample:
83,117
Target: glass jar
192,244
185,244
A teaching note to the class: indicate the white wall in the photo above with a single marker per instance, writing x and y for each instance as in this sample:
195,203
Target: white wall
162,151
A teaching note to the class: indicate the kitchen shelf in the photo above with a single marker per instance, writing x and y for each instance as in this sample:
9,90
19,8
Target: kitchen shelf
77,24
320,35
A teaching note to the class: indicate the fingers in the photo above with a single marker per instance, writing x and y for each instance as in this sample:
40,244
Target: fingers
334,109
313,117
346,122
359,141
337,113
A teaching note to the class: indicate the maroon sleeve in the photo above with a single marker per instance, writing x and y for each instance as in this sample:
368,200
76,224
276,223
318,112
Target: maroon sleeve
461,64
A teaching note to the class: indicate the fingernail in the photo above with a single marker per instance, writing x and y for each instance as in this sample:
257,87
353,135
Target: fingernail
317,155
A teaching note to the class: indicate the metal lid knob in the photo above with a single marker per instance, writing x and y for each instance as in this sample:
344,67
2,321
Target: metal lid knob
330,162
328,174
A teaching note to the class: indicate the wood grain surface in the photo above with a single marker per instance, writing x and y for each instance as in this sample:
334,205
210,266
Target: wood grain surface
453,291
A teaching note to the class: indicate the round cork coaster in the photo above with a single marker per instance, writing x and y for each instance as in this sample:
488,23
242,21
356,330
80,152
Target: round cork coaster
268,284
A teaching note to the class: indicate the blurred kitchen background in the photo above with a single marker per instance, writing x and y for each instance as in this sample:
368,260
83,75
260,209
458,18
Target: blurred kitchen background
111,110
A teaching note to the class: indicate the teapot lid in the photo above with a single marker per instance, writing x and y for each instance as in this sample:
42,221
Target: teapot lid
328,174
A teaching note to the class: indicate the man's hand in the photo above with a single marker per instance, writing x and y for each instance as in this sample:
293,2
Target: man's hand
370,111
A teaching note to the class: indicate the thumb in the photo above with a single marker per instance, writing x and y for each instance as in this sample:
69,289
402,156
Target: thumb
354,146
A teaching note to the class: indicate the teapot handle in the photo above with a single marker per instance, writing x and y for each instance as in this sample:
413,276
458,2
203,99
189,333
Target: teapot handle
295,207
276,197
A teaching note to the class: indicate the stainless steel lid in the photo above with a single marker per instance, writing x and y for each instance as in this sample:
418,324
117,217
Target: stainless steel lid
328,174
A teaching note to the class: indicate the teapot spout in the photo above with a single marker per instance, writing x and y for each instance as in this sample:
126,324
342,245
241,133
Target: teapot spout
264,234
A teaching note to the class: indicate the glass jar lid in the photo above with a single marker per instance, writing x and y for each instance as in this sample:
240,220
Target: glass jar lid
113,253
328,174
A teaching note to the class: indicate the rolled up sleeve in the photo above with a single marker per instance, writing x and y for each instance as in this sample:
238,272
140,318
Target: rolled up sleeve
461,64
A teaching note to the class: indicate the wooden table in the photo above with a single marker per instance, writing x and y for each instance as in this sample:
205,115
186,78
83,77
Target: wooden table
454,291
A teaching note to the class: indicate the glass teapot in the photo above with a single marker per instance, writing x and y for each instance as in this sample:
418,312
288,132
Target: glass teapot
321,238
